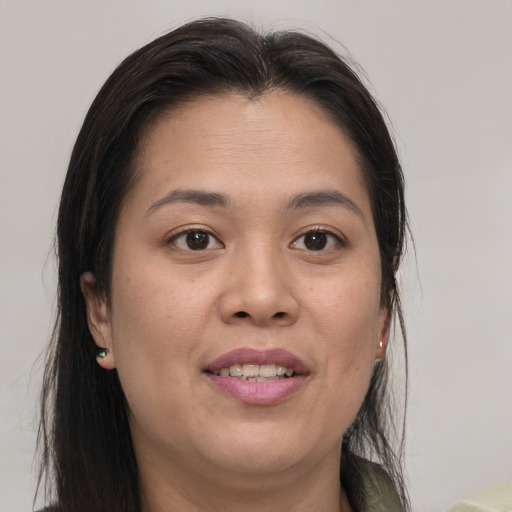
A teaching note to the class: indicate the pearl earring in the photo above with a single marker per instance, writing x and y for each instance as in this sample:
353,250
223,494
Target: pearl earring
381,344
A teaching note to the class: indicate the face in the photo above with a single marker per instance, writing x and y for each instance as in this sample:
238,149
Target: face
244,318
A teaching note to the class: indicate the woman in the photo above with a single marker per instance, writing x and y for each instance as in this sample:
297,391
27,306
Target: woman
229,232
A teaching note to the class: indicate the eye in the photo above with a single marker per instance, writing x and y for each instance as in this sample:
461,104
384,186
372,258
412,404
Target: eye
317,240
195,240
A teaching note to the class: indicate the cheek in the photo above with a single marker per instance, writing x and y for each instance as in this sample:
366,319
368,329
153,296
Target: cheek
155,330
347,317
347,308
155,316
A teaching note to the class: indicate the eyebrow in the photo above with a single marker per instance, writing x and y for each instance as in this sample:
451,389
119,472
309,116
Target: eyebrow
297,202
323,198
200,197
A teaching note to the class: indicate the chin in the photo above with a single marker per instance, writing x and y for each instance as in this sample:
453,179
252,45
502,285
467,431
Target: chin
264,464
265,451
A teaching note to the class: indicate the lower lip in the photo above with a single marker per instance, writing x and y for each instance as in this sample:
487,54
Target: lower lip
258,393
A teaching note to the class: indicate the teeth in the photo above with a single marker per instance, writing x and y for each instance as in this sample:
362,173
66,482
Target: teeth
256,372
251,370
236,370
280,370
267,370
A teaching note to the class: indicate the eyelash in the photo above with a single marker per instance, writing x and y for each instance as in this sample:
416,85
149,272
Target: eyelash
325,239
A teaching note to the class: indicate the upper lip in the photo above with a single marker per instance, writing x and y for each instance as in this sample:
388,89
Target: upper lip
276,356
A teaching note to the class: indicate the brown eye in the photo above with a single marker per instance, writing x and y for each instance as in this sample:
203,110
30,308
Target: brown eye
195,240
315,240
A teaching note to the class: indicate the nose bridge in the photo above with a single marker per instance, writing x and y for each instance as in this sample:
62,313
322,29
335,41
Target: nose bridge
259,287
264,276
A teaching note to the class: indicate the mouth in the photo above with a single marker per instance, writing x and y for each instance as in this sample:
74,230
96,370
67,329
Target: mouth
256,372
257,377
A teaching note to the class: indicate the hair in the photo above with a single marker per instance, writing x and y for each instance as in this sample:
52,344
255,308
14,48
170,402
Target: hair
87,461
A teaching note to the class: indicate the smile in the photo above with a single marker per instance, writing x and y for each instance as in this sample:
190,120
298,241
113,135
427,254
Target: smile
256,372
255,377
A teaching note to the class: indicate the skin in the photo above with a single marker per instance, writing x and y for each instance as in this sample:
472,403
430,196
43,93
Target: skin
173,310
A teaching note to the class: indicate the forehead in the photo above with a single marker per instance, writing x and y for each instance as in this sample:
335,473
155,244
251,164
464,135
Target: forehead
277,142
262,122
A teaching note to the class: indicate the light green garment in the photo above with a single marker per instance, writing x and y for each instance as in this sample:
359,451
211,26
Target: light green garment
381,496
495,499
379,491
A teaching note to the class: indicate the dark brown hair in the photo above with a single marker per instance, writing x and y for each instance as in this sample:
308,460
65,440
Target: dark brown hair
87,458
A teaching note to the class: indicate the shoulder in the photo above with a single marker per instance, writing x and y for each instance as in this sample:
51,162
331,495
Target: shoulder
495,499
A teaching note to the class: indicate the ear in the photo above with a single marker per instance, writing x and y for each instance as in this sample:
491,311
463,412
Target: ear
383,336
98,319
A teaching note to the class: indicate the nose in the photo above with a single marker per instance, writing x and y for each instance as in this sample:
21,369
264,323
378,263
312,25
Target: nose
259,290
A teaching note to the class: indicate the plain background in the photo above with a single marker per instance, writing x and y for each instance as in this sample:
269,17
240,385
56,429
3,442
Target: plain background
442,69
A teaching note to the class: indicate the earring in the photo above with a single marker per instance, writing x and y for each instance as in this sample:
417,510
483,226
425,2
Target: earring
379,359
101,353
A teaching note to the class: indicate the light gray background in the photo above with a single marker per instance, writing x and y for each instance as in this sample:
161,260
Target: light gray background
444,72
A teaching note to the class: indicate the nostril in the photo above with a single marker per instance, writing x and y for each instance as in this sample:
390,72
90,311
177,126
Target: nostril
241,314
280,314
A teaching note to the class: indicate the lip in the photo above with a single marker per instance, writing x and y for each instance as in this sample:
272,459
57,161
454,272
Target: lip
258,393
253,356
